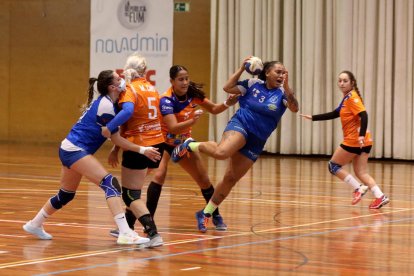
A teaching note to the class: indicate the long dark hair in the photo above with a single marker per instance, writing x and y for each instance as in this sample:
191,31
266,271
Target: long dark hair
194,89
105,78
266,66
353,80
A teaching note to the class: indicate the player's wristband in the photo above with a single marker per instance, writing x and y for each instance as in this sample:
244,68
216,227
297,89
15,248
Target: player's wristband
225,103
142,149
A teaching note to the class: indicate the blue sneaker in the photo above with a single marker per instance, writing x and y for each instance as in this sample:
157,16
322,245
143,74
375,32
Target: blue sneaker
181,150
202,220
219,223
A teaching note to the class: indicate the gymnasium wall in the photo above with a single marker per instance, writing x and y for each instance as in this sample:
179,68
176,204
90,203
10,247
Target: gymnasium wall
44,64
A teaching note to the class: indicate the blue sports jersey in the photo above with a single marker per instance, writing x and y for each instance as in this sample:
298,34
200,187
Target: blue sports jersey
86,133
260,108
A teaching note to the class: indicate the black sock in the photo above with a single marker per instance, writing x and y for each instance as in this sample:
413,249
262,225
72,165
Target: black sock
130,218
153,195
207,194
149,225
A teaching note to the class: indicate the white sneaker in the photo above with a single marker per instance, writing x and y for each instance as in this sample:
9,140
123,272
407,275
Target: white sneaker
131,238
37,231
155,241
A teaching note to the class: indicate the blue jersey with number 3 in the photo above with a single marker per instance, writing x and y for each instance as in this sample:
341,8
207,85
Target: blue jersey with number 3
260,108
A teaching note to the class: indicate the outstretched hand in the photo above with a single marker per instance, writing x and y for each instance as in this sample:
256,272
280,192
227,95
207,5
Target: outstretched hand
309,117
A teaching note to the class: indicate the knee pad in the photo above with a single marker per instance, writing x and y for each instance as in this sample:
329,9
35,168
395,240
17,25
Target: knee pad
333,167
62,198
129,195
111,186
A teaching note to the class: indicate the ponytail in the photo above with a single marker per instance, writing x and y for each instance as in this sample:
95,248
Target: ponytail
90,94
194,90
105,78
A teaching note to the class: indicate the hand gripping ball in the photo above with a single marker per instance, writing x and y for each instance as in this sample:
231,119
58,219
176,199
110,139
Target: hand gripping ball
254,66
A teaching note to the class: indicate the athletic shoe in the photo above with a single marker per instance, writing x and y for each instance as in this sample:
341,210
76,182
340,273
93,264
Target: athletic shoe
155,241
114,233
379,202
202,220
131,238
219,223
359,193
37,231
181,150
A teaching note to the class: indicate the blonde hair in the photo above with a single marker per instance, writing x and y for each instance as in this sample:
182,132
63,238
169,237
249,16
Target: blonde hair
135,67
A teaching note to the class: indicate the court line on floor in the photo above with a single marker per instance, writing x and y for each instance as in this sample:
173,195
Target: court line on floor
88,226
17,176
219,248
230,199
100,252
96,253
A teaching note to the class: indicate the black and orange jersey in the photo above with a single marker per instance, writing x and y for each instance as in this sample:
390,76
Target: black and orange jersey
349,108
183,110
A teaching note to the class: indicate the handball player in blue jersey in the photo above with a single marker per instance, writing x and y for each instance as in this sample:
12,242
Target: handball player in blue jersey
263,101
76,154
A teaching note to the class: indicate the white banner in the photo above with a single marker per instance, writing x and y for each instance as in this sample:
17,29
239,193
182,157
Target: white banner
122,27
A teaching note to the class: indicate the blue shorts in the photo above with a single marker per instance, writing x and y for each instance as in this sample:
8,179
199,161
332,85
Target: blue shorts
253,147
68,158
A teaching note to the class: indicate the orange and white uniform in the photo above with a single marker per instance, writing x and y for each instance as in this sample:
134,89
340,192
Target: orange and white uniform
144,127
349,108
183,110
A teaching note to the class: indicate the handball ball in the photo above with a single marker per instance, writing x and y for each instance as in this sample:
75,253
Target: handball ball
254,66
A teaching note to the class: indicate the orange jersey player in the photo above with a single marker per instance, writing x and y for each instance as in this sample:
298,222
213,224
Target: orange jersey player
183,110
140,106
357,142
143,127
349,109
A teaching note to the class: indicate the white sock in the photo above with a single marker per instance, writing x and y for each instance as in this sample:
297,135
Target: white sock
122,223
376,191
40,218
349,179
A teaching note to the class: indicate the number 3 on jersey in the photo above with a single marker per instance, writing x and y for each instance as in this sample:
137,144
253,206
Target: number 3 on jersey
153,114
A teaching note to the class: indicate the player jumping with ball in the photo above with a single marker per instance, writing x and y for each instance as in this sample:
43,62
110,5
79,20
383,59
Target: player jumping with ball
263,101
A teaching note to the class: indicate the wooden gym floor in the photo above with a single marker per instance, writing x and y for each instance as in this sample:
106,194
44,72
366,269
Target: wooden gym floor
287,216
